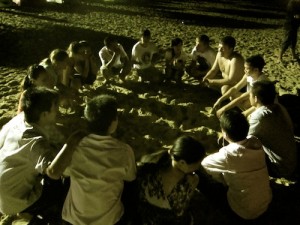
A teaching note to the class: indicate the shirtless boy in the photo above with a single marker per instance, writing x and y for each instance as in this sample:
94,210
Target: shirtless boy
229,62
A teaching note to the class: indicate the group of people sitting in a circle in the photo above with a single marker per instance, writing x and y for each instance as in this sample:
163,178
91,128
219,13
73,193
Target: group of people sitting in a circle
257,134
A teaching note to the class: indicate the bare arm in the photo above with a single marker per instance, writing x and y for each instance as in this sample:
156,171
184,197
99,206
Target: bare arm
214,70
235,73
64,157
242,83
233,103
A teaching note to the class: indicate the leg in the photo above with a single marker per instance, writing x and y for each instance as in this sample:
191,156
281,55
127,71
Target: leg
288,33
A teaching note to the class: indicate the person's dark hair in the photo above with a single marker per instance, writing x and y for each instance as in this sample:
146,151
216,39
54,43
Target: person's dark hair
265,91
74,47
229,41
100,112
33,73
58,55
37,100
146,33
188,149
256,61
204,39
176,41
109,40
235,124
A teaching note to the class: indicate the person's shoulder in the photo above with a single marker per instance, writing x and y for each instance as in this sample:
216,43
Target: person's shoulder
238,57
103,49
136,45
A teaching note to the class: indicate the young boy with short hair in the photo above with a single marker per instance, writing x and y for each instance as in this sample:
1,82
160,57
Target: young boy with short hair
241,167
99,168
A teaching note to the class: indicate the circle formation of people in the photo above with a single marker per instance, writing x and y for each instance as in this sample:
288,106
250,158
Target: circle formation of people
94,178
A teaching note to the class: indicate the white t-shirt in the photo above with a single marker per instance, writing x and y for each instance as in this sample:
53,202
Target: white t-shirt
105,56
271,126
25,153
209,55
242,167
99,167
143,55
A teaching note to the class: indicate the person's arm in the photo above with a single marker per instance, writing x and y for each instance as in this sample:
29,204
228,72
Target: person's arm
235,102
83,70
111,62
64,157
216,164
214,70
242,83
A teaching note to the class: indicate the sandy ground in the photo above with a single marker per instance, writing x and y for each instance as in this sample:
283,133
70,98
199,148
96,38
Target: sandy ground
151,117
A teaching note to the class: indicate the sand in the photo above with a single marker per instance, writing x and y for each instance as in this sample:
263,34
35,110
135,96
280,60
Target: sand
151,116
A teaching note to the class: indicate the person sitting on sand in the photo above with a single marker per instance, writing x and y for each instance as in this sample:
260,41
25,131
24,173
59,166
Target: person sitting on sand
166,186
241,167
99,167
29,162
175,59
203,57
253,72
57,65
36,76
84,65
229,62
144,56
114,59
271,123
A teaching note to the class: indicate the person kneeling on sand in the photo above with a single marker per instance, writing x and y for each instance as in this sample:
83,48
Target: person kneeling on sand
253,72
242,168
167,184
203,57
114,60
175,59
229,62
99,167
144,56
84,66
271,123
57,66
29,162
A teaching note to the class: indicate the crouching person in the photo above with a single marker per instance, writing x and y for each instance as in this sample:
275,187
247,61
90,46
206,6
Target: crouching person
27,158
99,167
241,167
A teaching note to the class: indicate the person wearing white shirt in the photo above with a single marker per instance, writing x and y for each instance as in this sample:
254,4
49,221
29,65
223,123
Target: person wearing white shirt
114,59
203,57
253,72
99,167
271,123
144,55
241,166
175,58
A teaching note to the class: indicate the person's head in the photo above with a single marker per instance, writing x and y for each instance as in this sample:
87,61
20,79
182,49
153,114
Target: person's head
101,114
145,36
262,93
36,76
177,44
79,50
202,43
254,65
111,42
226,46
187,154
40,105
234,125
59,59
